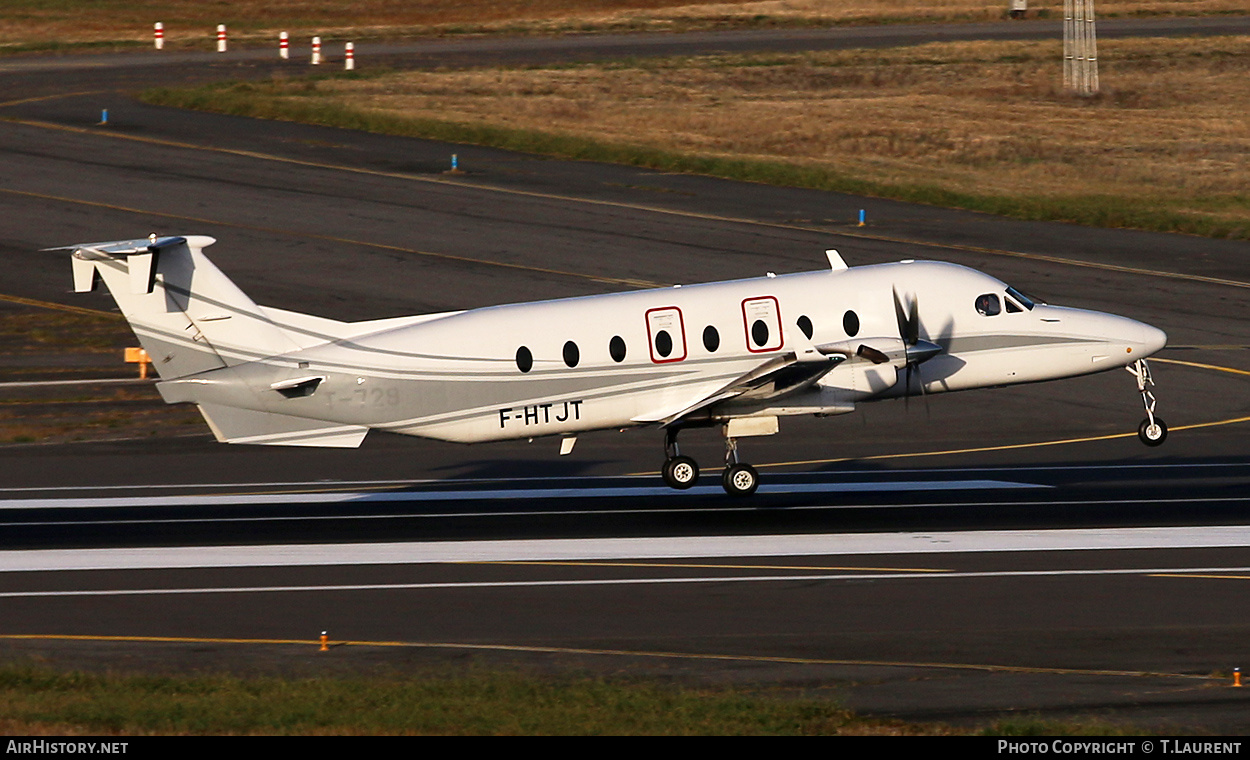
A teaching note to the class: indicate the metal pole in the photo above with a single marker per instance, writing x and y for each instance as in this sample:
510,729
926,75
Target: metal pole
1080,47
1068,42
1091,51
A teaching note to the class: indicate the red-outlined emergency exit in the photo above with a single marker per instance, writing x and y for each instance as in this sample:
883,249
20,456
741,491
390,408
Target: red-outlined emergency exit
761,318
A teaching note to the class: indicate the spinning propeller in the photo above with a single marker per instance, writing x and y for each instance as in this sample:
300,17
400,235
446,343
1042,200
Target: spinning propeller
917,351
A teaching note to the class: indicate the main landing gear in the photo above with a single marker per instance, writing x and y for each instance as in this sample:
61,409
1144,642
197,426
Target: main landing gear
1153,430
682,472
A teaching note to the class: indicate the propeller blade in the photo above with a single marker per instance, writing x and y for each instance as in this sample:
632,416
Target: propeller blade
908,320
913,322
900,316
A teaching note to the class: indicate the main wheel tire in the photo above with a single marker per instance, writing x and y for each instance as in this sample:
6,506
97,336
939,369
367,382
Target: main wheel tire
681,472
740,479
1152,435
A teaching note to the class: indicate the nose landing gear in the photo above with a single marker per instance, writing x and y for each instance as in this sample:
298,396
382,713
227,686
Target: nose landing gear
1152,431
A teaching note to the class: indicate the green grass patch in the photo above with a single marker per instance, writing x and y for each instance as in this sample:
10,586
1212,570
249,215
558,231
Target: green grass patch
476,703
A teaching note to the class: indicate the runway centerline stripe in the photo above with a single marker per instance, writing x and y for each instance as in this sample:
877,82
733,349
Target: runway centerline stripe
707,566
333,239
1004,447
615,653
1195,574
1200,365
584,582
59,306
486,187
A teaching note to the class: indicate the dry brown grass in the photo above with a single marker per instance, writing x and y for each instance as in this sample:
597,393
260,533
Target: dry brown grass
191,22
986,117
33,343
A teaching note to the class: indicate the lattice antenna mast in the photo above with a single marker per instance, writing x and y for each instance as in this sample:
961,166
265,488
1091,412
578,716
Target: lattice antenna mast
1080,47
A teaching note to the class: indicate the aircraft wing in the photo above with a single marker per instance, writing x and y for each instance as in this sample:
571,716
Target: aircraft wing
777,377
797,370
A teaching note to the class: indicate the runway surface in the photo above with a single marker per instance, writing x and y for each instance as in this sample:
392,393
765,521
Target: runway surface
1030,554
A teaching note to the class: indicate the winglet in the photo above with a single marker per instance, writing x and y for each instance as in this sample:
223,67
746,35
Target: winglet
835,260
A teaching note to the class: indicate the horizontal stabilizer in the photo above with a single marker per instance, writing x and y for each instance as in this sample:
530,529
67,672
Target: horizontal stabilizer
234,425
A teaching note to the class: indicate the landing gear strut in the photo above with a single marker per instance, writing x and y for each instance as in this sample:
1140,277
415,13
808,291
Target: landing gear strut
739,478
1153,430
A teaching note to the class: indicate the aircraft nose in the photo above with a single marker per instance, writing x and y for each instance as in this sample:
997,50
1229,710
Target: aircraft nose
1145,340
1156,339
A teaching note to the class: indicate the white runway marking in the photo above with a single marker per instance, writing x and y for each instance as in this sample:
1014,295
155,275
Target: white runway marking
311,485
1171,572
208,500
316,555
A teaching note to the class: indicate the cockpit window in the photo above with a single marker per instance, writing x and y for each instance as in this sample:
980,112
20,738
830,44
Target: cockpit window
1012,306
989,305
1021,298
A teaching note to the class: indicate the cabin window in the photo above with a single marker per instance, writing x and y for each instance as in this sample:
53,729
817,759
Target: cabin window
711,339
571,355
805,325
989,305
759,333
663,343
616,349
850,323
524,359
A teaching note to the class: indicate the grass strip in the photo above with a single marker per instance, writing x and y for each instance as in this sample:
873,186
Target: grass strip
274,101
37,700
33,700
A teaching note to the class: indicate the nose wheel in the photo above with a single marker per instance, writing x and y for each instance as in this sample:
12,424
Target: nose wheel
1152,431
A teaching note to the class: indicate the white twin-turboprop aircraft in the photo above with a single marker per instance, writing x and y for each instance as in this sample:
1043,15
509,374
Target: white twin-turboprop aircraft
737,354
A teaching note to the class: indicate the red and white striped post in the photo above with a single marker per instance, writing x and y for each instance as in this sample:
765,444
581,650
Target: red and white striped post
349,56
158,35
221,38
284,46
316,55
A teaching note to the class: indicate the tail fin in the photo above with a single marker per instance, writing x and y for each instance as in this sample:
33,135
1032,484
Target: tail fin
188,316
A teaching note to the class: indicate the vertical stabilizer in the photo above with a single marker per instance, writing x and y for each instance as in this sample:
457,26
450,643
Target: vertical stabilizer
188,316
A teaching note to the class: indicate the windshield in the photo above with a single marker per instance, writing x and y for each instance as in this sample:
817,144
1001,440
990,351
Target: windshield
1020,298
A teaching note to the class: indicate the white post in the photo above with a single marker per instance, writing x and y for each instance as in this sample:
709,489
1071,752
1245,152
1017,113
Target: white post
284,46
349,59
158,33
221,38
316,55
